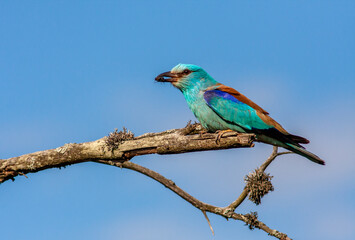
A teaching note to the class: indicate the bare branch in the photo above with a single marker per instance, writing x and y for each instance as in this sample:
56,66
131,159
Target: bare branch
204,207
262,168
120,147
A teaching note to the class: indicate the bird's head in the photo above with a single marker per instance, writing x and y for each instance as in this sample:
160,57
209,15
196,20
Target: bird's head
186,76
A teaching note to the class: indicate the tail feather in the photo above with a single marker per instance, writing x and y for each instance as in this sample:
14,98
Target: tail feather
294,147
298,139
303,152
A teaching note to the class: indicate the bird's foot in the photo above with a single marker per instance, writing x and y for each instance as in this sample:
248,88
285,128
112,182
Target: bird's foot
220,134
202,133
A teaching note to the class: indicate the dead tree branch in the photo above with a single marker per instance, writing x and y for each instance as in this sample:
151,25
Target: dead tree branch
119,147
122,146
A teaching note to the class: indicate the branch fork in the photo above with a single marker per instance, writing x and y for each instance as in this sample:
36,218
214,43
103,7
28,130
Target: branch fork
120,147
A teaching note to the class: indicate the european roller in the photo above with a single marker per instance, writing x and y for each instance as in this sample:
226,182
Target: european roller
221,108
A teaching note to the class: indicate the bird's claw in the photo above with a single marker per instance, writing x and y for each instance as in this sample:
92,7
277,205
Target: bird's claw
202,133
220,134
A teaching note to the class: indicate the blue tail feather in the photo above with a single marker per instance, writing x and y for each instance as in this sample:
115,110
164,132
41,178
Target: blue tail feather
303,152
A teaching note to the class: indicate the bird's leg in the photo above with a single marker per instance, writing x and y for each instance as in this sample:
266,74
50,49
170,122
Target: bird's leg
220,134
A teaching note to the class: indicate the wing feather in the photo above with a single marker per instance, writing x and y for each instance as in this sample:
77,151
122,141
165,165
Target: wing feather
235,108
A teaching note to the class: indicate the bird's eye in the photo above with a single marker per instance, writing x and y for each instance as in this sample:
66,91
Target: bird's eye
186,71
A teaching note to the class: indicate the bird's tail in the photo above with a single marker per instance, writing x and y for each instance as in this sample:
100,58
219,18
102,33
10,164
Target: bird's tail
303,152
294,147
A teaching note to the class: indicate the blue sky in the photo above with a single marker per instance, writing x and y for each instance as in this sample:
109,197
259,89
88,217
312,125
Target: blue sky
72,71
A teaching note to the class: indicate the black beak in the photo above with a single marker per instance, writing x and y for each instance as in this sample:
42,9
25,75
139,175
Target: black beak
167,77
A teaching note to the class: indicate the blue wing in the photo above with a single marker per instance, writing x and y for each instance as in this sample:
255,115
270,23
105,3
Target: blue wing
233,111
235,108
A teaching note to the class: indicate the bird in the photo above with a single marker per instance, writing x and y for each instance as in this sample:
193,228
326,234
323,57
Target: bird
220,108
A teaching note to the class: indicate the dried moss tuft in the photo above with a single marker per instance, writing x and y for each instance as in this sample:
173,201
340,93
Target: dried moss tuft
258,184
115,138
252,220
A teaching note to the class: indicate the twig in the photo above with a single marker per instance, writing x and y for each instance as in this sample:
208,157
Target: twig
208,221
263,167
204,207
20,173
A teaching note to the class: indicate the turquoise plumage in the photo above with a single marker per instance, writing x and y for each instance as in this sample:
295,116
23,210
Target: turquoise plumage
219,107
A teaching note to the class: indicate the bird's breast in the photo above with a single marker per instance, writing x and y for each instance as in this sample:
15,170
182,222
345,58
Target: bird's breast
205,115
